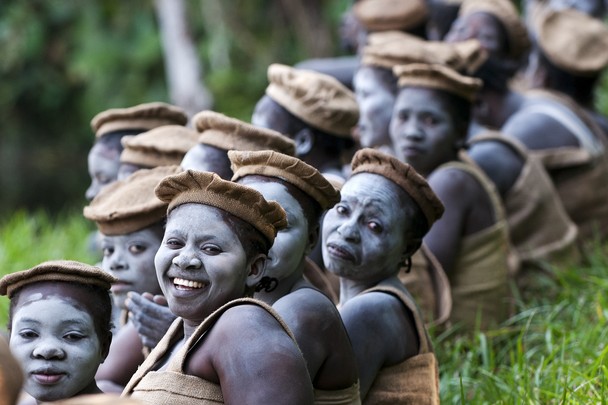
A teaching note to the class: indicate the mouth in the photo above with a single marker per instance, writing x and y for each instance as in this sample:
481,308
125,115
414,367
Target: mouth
340,252
121,286
187,285
47,376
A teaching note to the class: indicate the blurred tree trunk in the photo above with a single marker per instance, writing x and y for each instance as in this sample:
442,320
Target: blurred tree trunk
311,26
182,66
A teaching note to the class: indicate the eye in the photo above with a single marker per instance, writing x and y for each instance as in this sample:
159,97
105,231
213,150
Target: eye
341,210
103,179
211,249
174,243
73,336
108,251
28,334
374,227
430,120
403,115
137,249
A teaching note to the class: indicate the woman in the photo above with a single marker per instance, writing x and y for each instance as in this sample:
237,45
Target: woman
471,241
305,195
365,242
131,221
213,255
60,326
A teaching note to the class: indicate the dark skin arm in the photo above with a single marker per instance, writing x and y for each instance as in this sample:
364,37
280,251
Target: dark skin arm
253,359
467,210
382,332
317,326
538,131
150,316
499,162
123,359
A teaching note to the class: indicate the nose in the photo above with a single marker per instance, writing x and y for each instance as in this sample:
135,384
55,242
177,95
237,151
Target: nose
412,130
349,231
187,262
118,263
48,349
91,191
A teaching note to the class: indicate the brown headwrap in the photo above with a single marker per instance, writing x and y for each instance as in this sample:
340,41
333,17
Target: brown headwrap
317,99
161,146
507,14
56,270
210,189
573,41
231,134
391,48
142,116
130,204
288,168
384,15
437,77
402,174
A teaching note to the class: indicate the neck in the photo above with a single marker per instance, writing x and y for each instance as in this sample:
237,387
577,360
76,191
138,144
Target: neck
284,286
323,162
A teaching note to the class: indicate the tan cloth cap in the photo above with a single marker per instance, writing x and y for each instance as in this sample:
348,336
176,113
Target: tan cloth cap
437,77
11,375
317,99
231,134
161,146
507,14
384,15
142,116
208,188
391,48
130,204
373,161
573,41
288,168
57,270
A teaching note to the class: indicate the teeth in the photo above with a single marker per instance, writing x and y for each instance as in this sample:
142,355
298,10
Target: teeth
187,283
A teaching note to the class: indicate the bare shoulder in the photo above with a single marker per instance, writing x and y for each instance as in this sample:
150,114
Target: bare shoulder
455,186
531,127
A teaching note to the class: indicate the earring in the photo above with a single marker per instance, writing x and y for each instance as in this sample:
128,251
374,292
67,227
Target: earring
268,284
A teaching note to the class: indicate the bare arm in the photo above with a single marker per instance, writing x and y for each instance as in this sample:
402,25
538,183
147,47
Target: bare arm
122,361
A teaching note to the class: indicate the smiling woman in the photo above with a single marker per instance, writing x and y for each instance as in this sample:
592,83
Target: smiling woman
213,255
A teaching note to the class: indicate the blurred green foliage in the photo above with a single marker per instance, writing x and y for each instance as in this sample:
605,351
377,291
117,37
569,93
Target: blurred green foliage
64,61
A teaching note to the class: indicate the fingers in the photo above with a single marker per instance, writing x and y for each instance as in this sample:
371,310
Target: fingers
160,300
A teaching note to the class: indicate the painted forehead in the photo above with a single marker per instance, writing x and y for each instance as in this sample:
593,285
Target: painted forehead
372,190
77,295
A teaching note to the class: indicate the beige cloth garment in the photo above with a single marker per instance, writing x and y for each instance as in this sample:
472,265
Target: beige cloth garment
347,396
428,284
485,262
172,385
540,229
414,381
580,174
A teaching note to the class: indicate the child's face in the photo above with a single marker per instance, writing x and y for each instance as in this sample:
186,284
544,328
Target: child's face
130,258
201,263
55,341
103,165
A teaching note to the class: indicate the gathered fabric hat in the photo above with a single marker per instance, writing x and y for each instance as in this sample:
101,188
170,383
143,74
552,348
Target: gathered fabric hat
161,146
391,48
507,14
141,117
231,134
288,168
384,15
437,77
369,160
207,188
56,270
130,204
573,41
316,98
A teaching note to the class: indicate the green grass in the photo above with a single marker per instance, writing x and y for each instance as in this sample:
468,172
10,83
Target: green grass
29,239
552,352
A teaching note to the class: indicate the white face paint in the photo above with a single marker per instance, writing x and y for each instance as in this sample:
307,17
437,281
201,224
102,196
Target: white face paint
56,343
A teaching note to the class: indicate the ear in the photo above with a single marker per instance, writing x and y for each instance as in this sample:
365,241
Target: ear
257,270
313,238
304,139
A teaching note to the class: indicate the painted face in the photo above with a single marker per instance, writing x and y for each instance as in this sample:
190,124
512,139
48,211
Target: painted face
363,235
291,244
130,258
201,264
54,339
480,26
422,129
207,159
103,168
376,106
